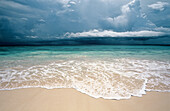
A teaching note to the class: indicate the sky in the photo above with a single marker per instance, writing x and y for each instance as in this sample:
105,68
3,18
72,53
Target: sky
76,22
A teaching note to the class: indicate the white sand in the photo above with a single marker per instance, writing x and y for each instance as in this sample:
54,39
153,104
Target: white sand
37,99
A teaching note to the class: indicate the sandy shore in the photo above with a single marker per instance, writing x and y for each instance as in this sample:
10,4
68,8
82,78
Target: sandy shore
38,99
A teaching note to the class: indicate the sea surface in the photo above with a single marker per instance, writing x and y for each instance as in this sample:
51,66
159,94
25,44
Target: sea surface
110,72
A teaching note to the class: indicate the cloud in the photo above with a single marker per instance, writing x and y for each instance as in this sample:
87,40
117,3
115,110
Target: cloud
158,6
72,2
51,19
42,20
13,5
130,23
131,18
24,19
110,33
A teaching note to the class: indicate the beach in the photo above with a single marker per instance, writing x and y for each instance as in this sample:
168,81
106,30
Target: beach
84,55
38,99
83,78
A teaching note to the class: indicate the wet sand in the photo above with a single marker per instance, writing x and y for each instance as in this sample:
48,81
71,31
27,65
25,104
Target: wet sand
38,99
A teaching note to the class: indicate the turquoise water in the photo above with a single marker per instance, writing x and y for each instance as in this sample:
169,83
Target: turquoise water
59,52
99,71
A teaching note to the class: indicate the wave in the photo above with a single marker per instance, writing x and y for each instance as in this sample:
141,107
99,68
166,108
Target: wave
109,79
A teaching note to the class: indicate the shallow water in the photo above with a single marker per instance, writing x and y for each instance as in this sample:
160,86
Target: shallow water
110,72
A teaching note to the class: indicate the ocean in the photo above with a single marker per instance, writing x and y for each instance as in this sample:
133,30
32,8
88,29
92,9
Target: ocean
106,71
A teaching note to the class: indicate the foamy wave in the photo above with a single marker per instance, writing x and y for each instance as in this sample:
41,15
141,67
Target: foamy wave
109,79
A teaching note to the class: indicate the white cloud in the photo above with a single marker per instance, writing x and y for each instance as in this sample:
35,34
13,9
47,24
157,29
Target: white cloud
131,18
24,18
110,33
158,6
72,2
42,20
33,37
130,12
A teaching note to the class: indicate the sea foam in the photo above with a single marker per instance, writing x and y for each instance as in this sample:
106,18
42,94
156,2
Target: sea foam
109,79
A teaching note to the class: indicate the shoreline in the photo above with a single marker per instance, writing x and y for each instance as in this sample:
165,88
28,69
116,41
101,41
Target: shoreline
39,99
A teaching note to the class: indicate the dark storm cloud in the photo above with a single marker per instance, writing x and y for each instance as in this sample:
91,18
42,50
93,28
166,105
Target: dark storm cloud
35,21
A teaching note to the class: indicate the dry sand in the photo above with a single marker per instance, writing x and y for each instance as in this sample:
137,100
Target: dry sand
37,99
